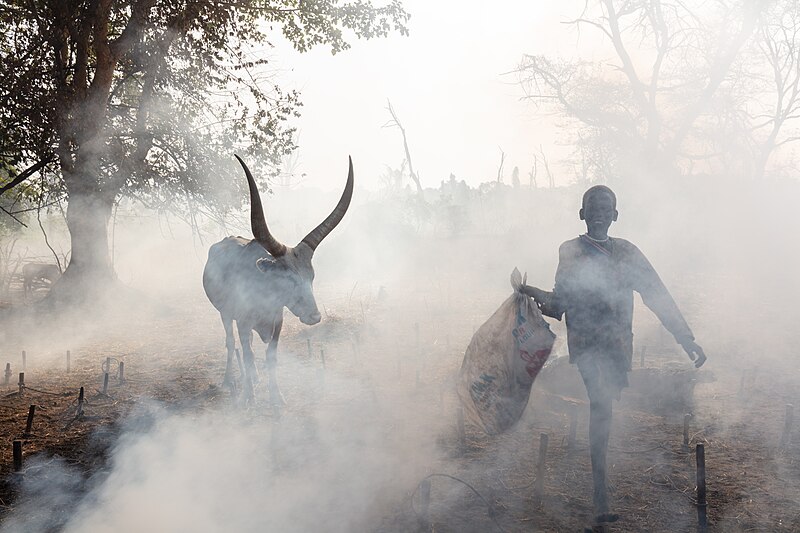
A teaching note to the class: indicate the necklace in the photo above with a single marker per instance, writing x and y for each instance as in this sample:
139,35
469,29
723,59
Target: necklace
596,240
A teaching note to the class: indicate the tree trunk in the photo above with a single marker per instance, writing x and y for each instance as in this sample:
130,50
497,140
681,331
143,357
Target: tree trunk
89,272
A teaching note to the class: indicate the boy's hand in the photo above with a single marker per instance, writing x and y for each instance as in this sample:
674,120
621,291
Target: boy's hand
534,292
694,351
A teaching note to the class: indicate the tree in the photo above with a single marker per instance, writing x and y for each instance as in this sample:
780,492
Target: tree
148,98
677,92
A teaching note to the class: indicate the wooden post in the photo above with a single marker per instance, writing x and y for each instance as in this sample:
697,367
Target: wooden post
8,373
108,365
573,427
642,354
79,412
24,362
702,519
425,501
538,488
17,448
29,423
105,383
68,358
121,372
686,418
21,383
786,438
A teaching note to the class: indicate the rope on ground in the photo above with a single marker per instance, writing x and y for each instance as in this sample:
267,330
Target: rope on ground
448,476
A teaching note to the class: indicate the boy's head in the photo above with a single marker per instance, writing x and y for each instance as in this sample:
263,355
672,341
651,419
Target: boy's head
599,209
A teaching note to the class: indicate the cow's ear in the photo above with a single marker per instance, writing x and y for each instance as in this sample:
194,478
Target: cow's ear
264,264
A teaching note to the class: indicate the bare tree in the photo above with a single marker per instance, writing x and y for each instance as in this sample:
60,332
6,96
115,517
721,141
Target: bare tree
395,122
500,167
532,174
550,181
644,108
779,43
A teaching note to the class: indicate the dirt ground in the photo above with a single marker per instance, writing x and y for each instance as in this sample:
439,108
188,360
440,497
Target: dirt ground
174,354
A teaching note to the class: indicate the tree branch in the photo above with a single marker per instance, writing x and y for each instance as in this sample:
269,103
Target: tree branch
25,174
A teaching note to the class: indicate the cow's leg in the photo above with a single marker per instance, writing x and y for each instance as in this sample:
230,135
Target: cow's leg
275,396
250,373
230,345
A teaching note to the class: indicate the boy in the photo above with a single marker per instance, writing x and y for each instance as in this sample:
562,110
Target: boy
594,286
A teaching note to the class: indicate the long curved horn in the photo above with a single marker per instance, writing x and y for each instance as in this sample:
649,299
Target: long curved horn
257,220
320,232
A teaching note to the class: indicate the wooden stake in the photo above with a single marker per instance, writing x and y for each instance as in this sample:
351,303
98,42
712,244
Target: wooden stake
68,358
17,447
538,488
79,412
105,383
108,365
29,423
573,427
8,373
21,383
686,418
121,372
24,362
786,438
702,519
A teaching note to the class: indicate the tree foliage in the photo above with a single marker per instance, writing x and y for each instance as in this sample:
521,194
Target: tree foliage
148,97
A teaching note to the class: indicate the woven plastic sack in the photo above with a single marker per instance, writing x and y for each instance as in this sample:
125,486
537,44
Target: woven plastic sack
502,361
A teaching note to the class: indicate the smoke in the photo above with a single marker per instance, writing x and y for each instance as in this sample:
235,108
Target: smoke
356,438
332,464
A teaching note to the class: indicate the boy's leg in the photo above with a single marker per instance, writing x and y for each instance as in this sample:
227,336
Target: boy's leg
601,394
599,430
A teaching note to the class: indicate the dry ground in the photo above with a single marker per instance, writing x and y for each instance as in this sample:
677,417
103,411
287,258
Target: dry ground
174,354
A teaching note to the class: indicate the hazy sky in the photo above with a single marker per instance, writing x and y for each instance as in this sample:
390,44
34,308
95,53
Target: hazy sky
446,84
